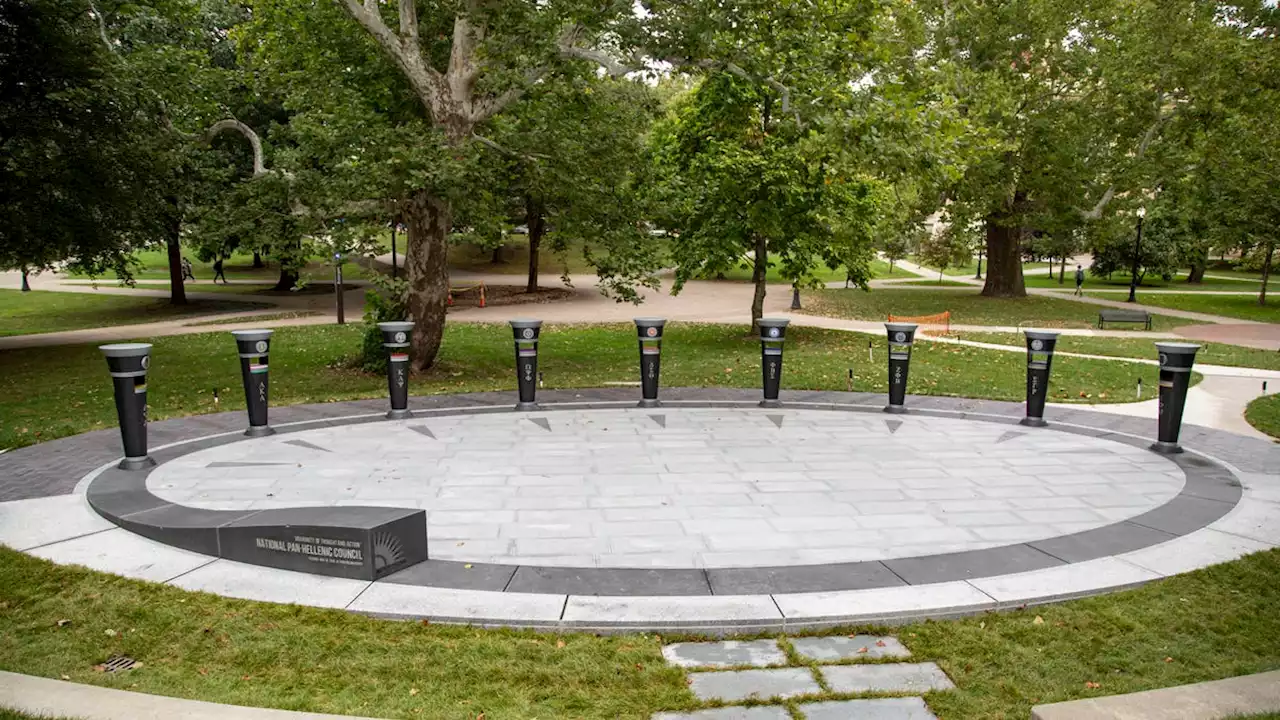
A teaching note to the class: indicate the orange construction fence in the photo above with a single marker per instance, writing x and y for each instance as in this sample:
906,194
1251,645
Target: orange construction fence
466,288
942,318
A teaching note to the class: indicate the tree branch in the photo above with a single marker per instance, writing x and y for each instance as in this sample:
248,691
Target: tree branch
529,157
259,169
102,28
405,52
408,20
1147,138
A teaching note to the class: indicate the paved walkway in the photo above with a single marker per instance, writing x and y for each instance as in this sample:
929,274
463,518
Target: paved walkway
805,672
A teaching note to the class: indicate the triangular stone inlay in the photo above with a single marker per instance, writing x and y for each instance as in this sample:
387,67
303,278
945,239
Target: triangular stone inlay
423,430
305,444
1009,436
777,419
660,419
893,425
543,423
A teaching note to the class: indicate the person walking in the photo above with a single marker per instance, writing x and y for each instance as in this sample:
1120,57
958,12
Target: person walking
217,272
1079,281
187,272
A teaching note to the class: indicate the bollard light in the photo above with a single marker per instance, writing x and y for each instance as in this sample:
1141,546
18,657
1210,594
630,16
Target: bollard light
254,346
1176,360
901,337
1040,345
773,332
526,336
649,330
395,338
128,363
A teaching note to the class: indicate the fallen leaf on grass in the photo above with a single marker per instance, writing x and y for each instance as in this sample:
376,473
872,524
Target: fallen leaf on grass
559,643
66,677
1038,621
202,671
1093,685
1168,659
413,691
109,632
63,623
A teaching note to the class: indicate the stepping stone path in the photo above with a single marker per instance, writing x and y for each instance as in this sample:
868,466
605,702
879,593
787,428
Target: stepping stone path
762,670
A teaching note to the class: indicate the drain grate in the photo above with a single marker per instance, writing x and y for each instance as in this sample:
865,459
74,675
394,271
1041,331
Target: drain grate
116,663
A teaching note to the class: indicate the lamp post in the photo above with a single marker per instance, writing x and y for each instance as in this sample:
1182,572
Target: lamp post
795,297
337,286
1137,253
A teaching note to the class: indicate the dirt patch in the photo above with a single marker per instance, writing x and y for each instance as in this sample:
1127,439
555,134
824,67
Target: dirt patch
495,295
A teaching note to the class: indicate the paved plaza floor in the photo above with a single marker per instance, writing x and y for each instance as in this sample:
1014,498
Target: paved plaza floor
692,487
708,514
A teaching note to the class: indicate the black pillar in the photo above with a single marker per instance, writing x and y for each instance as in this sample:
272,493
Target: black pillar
901,337
395,338
1176,360
526,336
254,346
649,330
773,332
1040,344
128,363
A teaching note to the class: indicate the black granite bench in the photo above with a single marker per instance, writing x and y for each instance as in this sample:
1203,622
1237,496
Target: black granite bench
1115,315
364,543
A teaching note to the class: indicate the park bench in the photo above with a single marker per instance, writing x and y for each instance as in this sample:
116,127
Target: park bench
1115,315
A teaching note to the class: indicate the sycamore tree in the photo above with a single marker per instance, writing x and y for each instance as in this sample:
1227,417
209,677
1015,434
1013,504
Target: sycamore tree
1064,106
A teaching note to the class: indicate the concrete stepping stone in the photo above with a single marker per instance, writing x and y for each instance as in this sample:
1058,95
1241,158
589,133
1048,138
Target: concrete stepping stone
731,685
833,649
768,712
730,653
890,677
877,709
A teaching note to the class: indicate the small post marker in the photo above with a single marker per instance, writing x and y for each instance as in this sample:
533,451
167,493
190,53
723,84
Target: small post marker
849,387
870,359
1139,388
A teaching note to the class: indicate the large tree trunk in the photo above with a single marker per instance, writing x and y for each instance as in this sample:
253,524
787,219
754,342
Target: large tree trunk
173,231
1062,271
1004,256
428,217
495,256
536,222
759,273
1196,273
26,286
288,278
257,259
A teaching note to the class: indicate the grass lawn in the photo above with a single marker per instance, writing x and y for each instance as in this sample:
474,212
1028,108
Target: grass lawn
41,311
6,714
967,308
45,395
1210,624
1118,283
971,268
1264,414
936,283
1210,353
515,257
155,266
879,270
1245,307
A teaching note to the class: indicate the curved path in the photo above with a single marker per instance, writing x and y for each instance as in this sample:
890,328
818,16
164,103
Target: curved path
973,513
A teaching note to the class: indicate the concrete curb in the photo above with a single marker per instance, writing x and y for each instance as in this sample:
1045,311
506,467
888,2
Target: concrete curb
42,696
1200,701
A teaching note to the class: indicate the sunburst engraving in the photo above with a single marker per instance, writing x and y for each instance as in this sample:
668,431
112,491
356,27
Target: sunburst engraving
388,551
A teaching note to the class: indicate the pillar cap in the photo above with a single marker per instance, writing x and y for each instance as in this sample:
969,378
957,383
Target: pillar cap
1177,348
396,326
1042,334
901,326
252,334
650,321
125,349
525,323
773,322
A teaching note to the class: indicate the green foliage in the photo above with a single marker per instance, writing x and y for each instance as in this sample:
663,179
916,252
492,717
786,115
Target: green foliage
71,152
1159,253
950,246
386,301
736,179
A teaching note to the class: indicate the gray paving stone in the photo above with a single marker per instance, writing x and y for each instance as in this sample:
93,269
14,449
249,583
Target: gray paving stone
906,708
731,685
763,712
730,653
831,649
890,677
